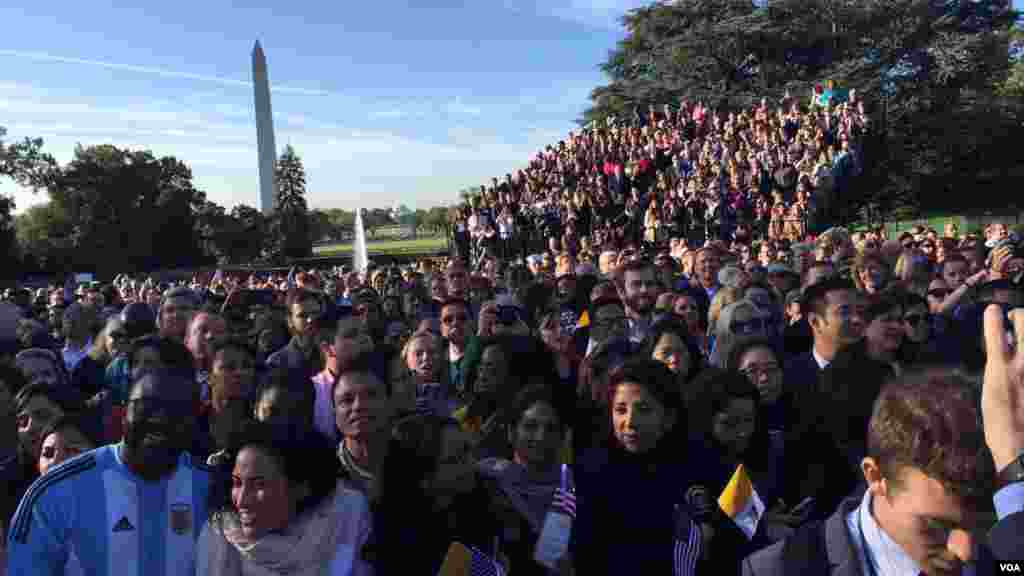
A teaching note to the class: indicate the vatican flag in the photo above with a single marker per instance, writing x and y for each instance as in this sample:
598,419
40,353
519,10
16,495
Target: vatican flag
584,320
740,502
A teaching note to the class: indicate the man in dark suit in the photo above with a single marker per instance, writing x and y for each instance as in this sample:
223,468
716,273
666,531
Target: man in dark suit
917,514
827,306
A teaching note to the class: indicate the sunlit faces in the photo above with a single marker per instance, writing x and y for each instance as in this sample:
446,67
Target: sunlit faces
232,376
419,358
38,413
38,369
536,437
639,420
932,525
351,340
61,445
734,426
361,404
260,493
671,351
203,330
640,290
302,318
886,331
175,314
492,371
761,367
454,319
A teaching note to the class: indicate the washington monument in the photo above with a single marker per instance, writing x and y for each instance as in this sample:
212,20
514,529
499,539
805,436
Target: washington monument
267,151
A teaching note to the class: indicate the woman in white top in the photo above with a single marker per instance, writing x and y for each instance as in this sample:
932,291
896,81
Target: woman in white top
286,513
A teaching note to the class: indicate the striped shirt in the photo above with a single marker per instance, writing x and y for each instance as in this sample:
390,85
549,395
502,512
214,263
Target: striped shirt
688,545
93,516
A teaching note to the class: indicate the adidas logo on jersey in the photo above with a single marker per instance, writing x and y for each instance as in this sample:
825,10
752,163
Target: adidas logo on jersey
123,525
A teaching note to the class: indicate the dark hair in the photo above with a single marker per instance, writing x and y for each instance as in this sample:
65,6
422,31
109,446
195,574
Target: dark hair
635,266
879,304
64,397
536,394
300,460
364,364
912,299
654,376
815,295
71,421
669,325
12,378
744,345
929,420
414,452
290,380
298,296
172,353
710,394
232,342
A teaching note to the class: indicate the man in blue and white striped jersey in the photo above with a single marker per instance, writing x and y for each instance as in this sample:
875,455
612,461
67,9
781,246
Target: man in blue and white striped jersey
132,508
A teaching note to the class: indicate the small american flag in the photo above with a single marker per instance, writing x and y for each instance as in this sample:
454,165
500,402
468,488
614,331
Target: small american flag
688,545
564,501
483,565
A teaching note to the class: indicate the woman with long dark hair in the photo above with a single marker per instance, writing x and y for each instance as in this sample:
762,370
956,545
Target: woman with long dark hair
287,513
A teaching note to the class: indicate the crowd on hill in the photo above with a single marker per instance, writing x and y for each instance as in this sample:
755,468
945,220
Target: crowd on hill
776,172
638,408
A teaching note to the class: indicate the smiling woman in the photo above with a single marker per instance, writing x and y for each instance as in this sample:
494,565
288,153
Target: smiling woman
286,514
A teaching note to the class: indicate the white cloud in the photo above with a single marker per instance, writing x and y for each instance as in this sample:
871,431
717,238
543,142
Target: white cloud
154,71
346,165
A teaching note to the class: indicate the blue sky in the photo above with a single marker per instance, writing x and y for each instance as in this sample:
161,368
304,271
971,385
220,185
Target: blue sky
385,101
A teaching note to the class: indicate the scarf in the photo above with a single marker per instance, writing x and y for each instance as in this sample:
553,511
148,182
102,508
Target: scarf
304,548
363,479
530,496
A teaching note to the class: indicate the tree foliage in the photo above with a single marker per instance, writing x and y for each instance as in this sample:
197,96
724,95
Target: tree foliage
290,224
930,69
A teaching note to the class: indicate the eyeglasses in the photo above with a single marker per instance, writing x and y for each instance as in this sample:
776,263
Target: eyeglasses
611,322
119,336
753,372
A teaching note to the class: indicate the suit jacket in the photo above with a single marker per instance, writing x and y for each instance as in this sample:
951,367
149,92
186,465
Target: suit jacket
842,556
1006,537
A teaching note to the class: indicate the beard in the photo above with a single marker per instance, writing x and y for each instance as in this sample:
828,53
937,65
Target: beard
149,459
641,304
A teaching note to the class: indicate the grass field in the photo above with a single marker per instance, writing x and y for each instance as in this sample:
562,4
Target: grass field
387,247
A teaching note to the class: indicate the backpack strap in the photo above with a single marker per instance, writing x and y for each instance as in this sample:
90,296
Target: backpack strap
805,553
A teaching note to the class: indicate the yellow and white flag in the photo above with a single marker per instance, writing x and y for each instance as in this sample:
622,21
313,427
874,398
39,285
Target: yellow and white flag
740,502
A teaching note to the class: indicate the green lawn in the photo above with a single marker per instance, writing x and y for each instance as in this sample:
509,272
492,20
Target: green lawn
387,247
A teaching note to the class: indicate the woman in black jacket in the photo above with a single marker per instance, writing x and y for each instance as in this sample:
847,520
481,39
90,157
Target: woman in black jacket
635,514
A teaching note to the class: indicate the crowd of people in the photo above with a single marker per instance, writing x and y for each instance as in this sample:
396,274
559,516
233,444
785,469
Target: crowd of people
775,171
849,404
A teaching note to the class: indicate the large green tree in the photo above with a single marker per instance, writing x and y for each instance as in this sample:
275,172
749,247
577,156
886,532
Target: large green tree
127,210
290,223
928,68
